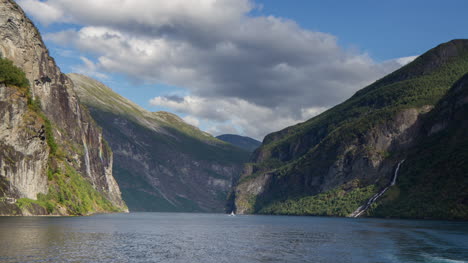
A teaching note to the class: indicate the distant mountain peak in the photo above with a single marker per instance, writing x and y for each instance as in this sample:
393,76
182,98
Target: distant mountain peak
242,142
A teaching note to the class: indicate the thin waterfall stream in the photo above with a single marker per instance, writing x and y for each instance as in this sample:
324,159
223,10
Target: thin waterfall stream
87,160
374,198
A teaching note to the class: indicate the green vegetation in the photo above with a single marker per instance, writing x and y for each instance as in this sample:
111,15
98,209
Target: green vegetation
42,201
434,185
222,153
336,202
433,182
12,75
104,103
68,190
248,202
34,105
170,146
72,192
261,168
308,150
380,101
98,96
172,141
49,135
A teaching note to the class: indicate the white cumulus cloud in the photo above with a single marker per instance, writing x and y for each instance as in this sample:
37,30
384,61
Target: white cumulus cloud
230,113
254,74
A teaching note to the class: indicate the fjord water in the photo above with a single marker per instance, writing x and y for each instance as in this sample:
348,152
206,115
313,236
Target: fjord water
175,237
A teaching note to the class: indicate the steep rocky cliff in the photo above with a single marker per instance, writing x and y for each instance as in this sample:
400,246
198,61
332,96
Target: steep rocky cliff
160,162
434,181
53,159
335,162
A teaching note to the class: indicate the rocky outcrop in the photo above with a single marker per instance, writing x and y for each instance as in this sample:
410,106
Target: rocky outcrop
359,142
79,139
161,162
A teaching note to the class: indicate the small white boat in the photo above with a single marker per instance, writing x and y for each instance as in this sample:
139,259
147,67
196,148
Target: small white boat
232,214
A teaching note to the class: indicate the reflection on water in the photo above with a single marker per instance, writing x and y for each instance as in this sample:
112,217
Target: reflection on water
166,237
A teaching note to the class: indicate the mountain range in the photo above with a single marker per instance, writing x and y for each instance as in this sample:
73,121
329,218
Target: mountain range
72,146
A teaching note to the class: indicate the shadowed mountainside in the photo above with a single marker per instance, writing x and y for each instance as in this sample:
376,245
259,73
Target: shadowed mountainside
242,142
161,162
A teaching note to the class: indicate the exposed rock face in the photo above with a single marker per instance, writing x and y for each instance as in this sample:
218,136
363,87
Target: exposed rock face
161,162
361,140
24,152
434,181
362,158
80,139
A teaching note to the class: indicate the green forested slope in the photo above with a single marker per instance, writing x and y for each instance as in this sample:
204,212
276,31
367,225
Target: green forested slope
360,140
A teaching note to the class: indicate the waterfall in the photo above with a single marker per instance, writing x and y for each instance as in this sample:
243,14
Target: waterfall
374,198
395,176
87,160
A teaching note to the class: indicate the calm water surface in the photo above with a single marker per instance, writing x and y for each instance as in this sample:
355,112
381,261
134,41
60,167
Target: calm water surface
167,237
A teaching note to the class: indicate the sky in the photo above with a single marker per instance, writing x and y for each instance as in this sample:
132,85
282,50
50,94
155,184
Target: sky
248,67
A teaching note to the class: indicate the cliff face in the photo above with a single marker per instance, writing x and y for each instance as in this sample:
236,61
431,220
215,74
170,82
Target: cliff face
161,162
77,146
335,162
24,150
434,181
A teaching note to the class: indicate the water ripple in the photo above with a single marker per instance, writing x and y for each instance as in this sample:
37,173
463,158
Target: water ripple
166,237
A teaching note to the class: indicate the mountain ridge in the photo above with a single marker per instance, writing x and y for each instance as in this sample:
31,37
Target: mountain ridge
354,145
162,163
106,99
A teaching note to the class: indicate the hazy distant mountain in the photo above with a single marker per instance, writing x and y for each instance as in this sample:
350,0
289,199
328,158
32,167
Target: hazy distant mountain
243,142
161,162
336,162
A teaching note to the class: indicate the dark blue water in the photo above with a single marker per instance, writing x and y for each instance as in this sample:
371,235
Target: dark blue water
166,237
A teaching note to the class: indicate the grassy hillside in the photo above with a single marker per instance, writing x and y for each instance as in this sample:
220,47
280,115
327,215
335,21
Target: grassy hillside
422,82
168,128
98,96
301,159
